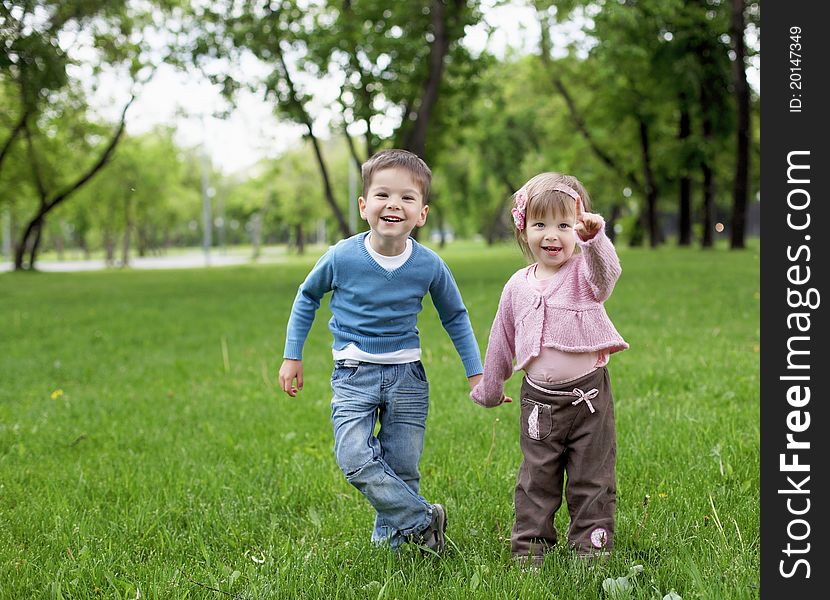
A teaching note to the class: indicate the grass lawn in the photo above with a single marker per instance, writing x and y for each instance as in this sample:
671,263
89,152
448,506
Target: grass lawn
145,451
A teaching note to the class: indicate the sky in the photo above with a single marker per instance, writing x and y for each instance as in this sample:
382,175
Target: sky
252,132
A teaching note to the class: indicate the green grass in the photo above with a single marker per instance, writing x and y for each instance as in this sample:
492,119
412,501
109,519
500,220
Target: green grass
137,458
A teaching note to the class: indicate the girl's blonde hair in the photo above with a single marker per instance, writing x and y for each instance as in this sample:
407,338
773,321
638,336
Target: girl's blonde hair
542,199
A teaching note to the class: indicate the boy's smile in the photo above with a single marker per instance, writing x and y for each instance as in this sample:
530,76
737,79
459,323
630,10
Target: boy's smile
393,207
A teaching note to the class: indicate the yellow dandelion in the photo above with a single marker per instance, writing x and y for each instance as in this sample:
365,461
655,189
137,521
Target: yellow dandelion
57,394
663,495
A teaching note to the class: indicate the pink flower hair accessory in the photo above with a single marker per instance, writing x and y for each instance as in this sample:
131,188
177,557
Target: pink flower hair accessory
519,210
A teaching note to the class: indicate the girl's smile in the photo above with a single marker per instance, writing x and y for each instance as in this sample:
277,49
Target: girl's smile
552,240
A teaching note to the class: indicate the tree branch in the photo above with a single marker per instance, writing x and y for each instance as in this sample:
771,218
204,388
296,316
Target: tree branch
39,185
306,120
576,117
415,139
21,123
31,234
102,160
358,163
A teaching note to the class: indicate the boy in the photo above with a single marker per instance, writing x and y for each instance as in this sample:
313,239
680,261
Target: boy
378,281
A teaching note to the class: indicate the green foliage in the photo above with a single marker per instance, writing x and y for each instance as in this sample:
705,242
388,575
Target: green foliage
145,450
42,41
286,193
146,185
360,67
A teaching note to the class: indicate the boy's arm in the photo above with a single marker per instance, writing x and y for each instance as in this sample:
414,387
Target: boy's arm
456,321
318,282
498,362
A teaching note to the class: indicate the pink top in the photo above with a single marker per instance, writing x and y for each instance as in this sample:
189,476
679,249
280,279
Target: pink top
568,315
556,366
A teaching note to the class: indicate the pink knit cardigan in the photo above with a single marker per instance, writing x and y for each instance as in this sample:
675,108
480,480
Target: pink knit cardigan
568,316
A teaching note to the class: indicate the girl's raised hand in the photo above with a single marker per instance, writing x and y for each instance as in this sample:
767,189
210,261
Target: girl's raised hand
587,224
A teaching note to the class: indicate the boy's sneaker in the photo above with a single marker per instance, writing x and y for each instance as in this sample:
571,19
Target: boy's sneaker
433,536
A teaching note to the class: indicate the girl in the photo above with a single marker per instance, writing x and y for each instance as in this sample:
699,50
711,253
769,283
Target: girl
552,321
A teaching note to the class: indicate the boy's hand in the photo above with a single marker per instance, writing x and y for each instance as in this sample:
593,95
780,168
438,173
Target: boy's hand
588,225
289,371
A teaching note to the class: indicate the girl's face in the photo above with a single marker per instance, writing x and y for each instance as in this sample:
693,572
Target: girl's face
552,240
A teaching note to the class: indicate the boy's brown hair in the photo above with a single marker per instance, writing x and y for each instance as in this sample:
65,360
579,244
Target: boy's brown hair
398,159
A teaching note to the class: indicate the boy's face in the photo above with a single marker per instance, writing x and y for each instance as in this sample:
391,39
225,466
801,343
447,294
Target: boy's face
393,205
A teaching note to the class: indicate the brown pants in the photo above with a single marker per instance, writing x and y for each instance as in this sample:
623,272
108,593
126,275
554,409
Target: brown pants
561,435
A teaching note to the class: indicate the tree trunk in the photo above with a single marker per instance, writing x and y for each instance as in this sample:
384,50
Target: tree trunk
28,245
416,137
16,131
652,226
684,227
706,240
353,151
635,238
708,175
338,214
36,243
740,190
611,223
321,163
576,117
109,247
299,238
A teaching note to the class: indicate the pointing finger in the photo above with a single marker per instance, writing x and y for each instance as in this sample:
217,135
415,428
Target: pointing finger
578,208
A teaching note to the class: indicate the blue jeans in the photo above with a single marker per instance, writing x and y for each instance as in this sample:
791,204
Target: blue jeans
384,468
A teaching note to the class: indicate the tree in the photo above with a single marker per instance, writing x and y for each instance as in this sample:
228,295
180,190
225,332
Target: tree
384,62
660,78
34,72
142,198
740,188
49,199
624,75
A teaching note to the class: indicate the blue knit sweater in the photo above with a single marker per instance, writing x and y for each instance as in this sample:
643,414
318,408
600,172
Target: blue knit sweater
377,310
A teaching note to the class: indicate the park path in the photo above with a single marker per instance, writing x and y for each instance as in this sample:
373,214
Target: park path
194,260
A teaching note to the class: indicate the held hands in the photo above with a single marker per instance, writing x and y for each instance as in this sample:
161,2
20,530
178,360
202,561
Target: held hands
291,370
474,382
588,225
